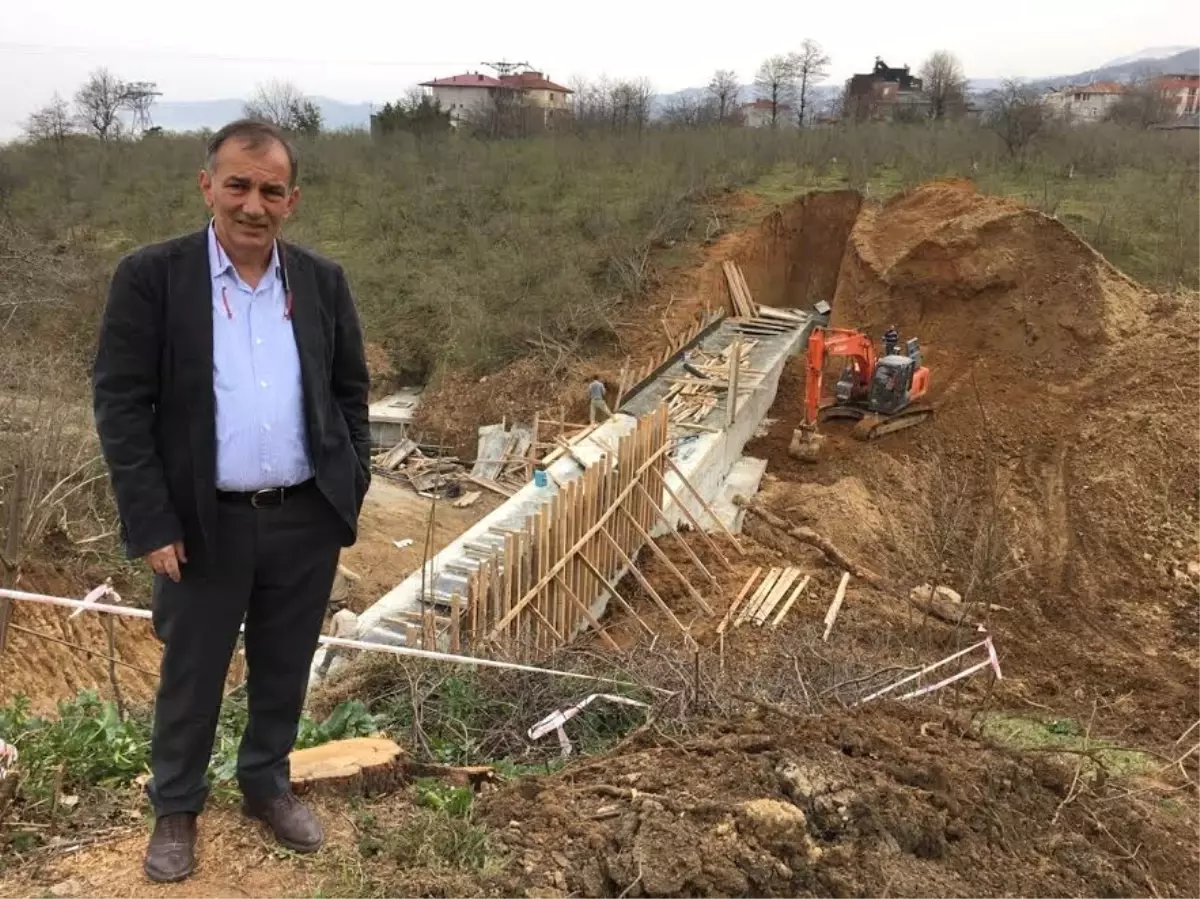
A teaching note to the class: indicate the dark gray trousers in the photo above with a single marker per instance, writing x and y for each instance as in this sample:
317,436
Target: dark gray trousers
273,568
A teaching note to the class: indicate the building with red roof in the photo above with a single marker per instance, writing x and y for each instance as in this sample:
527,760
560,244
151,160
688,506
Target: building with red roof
473,95
1180,92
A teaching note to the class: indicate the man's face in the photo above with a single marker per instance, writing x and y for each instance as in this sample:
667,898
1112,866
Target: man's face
249,193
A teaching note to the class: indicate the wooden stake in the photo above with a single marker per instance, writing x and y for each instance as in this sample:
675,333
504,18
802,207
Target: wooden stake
704,504
737,602
835,606
12,545
791,599
455,613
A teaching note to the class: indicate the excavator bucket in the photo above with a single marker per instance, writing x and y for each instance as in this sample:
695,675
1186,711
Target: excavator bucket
806,443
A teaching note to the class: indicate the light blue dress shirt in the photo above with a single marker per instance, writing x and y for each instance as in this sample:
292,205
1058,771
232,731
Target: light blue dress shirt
261,439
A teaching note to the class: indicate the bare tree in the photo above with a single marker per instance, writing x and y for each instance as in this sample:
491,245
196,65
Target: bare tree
1142,104
945,84
98,104
52,122
775,83
1017,113
812,67
282,104
723,90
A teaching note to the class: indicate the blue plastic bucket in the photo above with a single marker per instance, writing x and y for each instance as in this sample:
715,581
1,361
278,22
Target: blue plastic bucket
540,479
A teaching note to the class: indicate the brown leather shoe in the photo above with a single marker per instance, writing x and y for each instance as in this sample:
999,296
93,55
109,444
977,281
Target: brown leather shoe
292,822
171,855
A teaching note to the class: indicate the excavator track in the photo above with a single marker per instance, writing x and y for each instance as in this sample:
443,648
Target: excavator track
872,427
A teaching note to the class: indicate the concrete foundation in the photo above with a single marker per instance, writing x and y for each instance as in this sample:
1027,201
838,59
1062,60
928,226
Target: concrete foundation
705,458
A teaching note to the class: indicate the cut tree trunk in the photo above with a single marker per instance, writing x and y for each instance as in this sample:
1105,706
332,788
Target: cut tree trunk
370,766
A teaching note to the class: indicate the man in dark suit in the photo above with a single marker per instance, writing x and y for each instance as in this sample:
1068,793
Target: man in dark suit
230,394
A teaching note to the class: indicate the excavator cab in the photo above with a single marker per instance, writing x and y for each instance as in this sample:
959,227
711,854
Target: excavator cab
877,393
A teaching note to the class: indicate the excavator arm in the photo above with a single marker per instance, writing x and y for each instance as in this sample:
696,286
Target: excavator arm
855,346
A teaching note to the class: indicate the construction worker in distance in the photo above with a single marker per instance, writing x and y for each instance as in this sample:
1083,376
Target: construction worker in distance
891,337
597,406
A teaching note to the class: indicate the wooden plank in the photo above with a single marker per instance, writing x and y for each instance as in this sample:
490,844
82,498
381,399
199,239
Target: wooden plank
768,605
712,544
791,600
704,503
733,606
835,606
767,585
735,359
665,559
455,620
647,586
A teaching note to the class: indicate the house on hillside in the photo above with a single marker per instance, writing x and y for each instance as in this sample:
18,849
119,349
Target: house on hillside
885,93
1085,103
1180,93
473,97
757,114
469,95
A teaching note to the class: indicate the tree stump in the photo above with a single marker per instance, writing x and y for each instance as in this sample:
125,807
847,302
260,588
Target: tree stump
365,766
372,766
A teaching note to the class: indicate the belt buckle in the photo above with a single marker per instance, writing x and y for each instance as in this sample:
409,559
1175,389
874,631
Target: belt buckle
267,492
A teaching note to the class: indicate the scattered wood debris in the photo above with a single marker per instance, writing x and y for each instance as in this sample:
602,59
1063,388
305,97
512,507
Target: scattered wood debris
771,592
708,378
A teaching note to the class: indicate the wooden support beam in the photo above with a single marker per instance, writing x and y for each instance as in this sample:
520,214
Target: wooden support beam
704,504
662,516
662,557
646,585
592,531
712,544
612,590
587,613
735,361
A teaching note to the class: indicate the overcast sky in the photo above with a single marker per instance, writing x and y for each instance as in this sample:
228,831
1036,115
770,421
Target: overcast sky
358,50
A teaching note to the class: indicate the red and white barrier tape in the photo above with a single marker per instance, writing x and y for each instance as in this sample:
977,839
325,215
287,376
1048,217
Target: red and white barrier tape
992,661
431,655
555,720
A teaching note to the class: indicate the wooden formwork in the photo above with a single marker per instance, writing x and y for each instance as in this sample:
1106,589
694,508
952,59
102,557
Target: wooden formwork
631,378
536,594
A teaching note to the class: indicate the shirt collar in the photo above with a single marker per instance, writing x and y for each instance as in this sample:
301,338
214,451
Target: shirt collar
219,263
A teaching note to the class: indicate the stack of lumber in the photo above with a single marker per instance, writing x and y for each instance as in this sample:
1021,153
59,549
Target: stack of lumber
706,378
775,595
755,318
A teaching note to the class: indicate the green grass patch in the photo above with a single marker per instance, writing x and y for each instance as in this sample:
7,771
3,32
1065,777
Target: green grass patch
1018,732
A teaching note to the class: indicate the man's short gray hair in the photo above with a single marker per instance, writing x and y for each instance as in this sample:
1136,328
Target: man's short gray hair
253,133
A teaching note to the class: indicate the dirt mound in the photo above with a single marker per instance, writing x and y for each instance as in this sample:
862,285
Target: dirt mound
884,802
983,274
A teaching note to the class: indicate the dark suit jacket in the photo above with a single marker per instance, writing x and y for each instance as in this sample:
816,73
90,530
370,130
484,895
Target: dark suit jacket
153,392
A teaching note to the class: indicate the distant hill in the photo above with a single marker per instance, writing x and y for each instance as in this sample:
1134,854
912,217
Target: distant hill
194,115
1185,61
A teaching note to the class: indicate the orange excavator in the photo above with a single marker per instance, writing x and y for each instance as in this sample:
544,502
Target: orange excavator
877,393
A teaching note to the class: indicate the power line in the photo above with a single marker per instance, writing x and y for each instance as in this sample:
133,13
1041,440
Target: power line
43,49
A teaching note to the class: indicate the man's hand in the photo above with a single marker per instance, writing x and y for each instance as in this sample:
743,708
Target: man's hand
167,560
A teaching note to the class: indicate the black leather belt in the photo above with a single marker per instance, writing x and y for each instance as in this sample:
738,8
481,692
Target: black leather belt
271,496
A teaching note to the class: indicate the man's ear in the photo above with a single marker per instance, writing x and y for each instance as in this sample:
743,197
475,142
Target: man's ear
206,187
293,199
